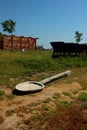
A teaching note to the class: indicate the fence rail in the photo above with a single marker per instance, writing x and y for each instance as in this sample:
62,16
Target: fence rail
18,43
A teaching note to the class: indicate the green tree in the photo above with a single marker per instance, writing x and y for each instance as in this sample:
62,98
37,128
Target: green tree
78,36
1,36
8,26
1,39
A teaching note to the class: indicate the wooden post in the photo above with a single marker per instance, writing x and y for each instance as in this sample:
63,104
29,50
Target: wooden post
21,43
28,43
12,42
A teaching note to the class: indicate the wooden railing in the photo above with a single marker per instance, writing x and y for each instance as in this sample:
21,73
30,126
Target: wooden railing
18,43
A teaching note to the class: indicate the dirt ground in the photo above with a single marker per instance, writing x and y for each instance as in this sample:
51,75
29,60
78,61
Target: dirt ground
11,122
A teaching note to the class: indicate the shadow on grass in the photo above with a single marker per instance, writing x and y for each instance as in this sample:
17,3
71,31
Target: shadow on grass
21,93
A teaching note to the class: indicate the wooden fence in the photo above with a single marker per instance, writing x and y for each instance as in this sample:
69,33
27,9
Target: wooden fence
18,43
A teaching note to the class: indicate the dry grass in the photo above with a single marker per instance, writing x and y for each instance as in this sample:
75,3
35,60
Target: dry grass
65,110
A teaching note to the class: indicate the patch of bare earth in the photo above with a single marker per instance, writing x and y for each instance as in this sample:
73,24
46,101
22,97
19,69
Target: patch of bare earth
13,121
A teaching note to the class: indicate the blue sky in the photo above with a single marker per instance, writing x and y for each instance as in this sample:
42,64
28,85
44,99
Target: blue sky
49,20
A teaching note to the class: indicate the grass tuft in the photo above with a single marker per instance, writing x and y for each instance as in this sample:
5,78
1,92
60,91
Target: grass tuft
83,97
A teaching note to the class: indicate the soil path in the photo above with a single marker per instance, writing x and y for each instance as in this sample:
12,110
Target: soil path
23,100
47,92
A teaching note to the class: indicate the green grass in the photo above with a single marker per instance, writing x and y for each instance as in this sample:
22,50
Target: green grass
9,112
67,94
47,100
83,97
75,92
19,65
56,96
85,105
2,93
84,85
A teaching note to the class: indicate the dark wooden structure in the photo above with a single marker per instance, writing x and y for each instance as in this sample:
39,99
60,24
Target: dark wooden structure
61,48
18,43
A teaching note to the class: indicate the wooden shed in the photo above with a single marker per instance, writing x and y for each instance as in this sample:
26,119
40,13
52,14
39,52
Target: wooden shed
18,43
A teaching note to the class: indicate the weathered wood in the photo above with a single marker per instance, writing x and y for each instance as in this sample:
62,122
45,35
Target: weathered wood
18,43
49,79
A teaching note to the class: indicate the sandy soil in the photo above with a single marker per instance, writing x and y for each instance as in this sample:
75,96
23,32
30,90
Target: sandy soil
7,122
